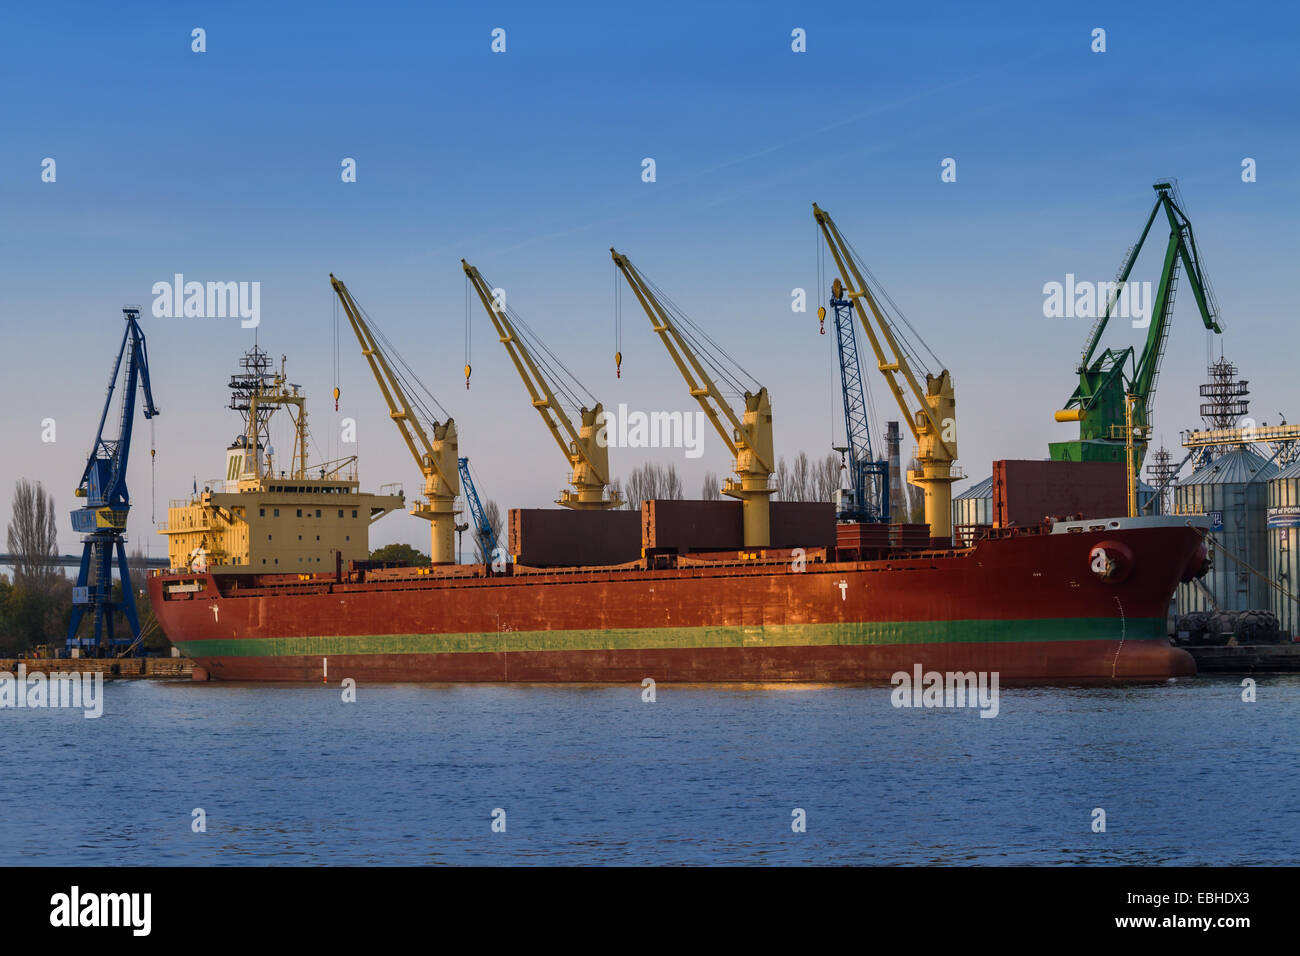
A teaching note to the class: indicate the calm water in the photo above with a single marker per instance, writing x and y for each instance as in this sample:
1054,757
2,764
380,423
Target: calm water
1186,772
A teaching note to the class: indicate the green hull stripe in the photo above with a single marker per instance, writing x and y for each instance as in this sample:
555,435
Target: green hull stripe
771,635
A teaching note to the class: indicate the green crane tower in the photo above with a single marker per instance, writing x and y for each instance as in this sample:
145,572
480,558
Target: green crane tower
1107,381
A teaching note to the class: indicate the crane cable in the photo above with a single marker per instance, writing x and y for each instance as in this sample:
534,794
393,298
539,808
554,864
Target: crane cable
1228,551
153,476
618,324
837,383
894,315
467,333
411,384
557,373
819,257
723,364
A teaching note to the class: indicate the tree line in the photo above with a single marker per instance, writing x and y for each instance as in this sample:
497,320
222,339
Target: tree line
804,479
36,596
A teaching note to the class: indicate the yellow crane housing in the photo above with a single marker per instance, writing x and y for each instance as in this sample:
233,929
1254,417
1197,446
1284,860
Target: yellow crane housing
750,438
587,456
436,456
932,417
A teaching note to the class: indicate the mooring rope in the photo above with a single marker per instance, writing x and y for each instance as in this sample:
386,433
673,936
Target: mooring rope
1267,580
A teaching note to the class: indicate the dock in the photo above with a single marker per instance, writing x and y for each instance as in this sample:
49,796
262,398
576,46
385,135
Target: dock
134,667
1247,659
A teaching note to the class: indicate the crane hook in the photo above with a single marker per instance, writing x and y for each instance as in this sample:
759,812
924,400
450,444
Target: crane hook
618,364
336,398
821,319
467,370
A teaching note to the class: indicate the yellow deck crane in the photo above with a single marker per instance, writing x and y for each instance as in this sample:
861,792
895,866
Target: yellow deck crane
436,457
932,417
750,437
587,456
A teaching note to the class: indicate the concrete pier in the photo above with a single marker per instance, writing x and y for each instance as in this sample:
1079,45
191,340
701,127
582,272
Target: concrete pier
1248,659
109,667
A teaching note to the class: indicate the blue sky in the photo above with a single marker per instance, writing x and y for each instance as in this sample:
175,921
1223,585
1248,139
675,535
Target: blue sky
225,165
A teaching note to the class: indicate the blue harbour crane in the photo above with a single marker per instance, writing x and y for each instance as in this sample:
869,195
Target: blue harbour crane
868,477
102,518
487,538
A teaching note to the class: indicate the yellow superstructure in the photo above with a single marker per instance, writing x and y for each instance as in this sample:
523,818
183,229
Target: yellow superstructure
259,518
275,525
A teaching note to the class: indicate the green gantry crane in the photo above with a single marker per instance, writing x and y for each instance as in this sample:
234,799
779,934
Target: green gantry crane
1116,388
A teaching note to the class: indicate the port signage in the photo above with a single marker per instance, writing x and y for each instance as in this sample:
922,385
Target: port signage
1287,516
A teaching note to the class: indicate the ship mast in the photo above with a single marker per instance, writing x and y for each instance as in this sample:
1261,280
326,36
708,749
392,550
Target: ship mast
256,393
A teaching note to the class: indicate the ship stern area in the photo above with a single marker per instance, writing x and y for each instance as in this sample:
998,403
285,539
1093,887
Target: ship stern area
175,593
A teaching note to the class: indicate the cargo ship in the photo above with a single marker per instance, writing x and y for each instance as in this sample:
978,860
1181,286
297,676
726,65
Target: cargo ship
270,581
1078,601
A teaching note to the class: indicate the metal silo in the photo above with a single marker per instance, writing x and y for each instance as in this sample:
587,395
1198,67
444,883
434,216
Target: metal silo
1233,490
1283,553
972,509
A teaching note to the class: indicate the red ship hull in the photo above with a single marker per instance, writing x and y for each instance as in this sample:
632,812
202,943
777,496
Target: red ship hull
1032,606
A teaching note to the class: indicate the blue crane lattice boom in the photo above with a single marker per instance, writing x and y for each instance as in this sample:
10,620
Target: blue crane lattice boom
869,477
487,538
102,519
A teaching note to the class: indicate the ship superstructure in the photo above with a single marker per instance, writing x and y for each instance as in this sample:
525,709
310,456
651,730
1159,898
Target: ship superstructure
268,514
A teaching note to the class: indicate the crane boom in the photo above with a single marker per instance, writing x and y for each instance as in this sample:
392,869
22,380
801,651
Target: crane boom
102,519
931,414
869,477
750,438
586,454
436,456
487,538
1116,389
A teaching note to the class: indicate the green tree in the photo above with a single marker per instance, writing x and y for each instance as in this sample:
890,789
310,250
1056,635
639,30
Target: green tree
32,537
10,644
402,554
39,603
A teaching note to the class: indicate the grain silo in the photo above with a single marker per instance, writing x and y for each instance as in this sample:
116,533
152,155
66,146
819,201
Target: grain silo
1283,553
972,511
1233,490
